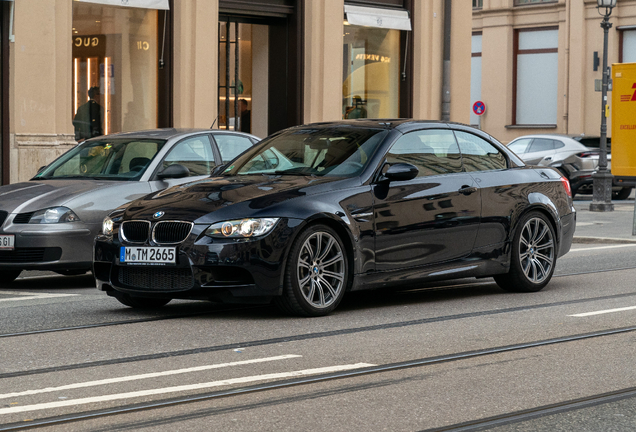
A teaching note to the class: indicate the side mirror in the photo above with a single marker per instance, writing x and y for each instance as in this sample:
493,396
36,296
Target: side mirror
401,172
174,171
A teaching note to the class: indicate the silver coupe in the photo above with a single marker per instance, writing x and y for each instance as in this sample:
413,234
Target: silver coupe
50,221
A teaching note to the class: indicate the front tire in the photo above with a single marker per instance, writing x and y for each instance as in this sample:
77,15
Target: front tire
140,302
317,273
533,255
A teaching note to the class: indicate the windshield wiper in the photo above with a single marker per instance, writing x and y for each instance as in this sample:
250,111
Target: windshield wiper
75,177
300,171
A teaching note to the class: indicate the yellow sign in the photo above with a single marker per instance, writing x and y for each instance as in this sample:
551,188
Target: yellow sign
624,120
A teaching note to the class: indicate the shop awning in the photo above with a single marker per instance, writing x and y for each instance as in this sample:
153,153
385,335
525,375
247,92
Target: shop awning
146,4
376,17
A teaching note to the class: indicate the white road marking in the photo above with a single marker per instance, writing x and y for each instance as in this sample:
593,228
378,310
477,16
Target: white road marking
30,295
603,247
182,388
145,376
606,311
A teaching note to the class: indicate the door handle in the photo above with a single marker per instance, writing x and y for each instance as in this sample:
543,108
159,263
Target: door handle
467,190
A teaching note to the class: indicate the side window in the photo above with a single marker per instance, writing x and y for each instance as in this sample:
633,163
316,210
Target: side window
541,144
194,153
433,152
520,146
558,144
137,157
230,146
478,154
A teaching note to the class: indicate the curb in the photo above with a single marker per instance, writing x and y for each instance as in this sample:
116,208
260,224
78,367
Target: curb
591,240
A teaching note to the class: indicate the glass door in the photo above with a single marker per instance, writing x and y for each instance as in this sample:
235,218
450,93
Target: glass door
235,76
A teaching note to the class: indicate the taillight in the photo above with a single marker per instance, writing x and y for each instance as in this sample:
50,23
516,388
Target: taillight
588,154
566,185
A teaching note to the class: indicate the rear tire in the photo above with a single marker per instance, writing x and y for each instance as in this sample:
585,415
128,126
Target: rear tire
622,194
8,276
140,302
533,255
316,275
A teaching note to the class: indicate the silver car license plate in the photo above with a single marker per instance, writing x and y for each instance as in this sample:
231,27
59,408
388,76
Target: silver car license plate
7,242
148,255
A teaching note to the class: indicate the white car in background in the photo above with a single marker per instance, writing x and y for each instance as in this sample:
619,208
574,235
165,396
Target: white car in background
576,161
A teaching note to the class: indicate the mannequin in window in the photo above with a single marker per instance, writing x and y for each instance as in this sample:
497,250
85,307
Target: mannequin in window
246,117
89,117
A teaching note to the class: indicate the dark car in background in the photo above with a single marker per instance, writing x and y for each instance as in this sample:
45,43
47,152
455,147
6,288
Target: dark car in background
50,221
317,210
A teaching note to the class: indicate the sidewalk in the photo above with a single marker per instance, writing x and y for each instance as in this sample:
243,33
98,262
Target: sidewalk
604,227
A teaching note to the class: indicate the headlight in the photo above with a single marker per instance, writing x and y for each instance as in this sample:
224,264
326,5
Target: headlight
242,228
53,215
107,226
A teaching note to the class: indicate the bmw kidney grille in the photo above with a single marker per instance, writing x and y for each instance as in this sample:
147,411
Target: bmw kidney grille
135,231
163,232
171,232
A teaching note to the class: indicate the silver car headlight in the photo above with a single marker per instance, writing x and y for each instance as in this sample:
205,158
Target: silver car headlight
241,228
107,226
53,215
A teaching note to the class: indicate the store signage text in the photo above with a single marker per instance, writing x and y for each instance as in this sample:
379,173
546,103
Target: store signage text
143,45
373,57
86,41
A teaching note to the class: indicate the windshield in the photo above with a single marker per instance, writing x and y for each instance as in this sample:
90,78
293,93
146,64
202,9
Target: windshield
107,159
336,151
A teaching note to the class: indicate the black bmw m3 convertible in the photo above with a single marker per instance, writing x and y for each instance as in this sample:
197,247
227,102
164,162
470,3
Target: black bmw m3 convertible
317,210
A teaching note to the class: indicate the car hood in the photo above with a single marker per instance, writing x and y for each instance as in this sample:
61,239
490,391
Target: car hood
82,196
223,198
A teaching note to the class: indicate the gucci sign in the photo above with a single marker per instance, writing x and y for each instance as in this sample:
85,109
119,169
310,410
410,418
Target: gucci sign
90,41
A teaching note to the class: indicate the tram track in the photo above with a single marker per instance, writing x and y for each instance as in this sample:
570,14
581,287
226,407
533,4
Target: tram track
390,367
538,412
231,309
304,337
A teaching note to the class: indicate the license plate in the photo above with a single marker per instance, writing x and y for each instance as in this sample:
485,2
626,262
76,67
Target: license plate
148,255
7,242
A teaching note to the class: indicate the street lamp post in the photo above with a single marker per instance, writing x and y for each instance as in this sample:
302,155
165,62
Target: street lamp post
602,192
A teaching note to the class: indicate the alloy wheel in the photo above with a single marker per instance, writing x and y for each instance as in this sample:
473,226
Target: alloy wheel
536,250
321,270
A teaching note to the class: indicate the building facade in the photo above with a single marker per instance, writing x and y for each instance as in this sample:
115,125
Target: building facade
535,62
81,68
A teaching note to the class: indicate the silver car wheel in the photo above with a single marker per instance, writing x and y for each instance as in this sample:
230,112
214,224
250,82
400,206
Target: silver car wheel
536,250
321,270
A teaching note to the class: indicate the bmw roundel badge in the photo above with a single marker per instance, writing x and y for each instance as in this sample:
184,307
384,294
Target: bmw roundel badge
158,214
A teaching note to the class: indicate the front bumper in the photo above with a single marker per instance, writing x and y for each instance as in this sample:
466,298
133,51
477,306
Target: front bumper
66,246
206,269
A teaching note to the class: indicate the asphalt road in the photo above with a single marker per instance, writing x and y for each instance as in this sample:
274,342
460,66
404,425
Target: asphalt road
461,355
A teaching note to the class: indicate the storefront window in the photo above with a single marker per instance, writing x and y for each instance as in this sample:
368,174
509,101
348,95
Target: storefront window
235,40
371,84
115,61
